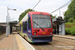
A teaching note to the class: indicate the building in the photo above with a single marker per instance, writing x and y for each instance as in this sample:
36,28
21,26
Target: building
59,26
3,26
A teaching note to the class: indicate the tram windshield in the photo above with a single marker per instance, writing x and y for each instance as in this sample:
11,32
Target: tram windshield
42,21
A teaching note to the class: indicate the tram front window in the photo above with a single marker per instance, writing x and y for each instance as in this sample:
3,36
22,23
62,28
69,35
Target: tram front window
42,20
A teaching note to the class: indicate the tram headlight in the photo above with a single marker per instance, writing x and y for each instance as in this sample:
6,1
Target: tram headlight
34,33
50,32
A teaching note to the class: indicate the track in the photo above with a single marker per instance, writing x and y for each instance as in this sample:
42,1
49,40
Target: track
56,44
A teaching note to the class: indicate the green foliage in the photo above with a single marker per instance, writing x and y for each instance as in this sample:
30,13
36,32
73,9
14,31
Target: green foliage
70,23
70,13
67,30
70,28
73,21
70,20
52,16
24,13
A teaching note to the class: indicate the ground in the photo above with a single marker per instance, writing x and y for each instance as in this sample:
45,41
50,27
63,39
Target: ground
56,44
2,36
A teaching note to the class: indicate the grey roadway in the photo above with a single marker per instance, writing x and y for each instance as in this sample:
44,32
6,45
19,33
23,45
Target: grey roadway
58,43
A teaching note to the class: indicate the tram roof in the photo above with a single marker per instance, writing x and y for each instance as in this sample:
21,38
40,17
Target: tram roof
35,12
31,12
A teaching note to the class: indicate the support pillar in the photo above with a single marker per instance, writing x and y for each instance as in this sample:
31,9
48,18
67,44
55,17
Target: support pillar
62,29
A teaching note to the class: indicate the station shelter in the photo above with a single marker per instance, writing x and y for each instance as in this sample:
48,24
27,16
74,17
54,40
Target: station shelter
58,26
12,26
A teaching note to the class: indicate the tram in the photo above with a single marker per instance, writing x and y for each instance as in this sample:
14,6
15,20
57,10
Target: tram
36,27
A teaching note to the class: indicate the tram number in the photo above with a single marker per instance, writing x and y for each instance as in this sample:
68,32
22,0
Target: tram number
43,32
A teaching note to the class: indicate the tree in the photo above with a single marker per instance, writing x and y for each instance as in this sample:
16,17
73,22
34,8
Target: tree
70,20
52,16
70,13
24,13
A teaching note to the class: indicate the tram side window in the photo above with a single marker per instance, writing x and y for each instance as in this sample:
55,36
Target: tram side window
20,27
29,22
25,26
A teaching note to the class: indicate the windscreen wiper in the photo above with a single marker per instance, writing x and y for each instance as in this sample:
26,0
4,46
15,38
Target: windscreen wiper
38,25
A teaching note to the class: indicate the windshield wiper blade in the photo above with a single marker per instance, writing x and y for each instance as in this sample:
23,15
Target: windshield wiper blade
38,25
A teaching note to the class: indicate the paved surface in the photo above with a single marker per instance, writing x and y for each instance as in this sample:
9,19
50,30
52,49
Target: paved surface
2,36
9,43
21,46
14,42
57,44
25,44
66,36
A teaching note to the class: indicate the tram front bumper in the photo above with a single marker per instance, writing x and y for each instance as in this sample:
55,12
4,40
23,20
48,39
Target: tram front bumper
41,36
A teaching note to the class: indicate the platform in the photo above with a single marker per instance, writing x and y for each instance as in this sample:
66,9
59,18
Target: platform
14,42
65,36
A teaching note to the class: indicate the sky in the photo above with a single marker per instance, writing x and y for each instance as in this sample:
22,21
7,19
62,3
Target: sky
22,5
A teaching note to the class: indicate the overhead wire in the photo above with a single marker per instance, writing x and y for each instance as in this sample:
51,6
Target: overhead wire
36,4
61,6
